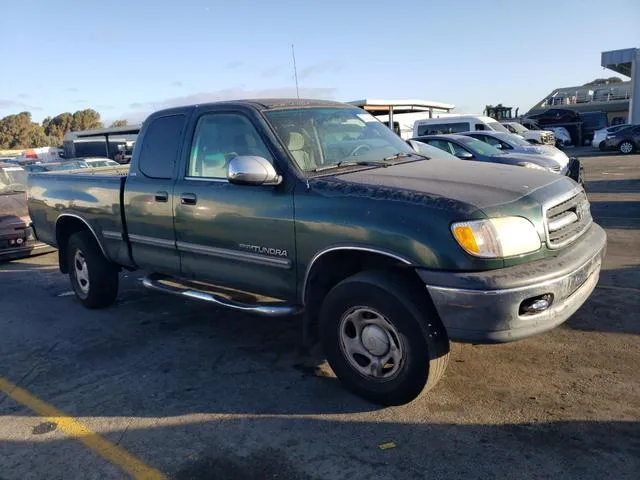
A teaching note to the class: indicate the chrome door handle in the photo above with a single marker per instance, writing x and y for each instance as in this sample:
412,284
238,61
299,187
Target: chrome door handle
188,199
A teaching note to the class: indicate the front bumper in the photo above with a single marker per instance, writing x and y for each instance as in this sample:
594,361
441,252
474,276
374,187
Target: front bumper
485,307
575,170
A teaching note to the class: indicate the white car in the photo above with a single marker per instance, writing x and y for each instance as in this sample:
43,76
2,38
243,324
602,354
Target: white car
600,136
100,162
543,137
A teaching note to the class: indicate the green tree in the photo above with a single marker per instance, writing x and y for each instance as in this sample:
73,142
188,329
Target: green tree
58,125
120,123
85,120
38,138
18,131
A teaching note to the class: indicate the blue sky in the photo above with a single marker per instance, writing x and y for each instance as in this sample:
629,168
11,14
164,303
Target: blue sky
126,58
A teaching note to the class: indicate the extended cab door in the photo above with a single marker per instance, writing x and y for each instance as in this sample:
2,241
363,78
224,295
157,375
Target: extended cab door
148,192
237,236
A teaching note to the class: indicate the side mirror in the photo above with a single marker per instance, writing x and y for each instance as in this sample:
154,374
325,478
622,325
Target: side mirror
252,170
498,146
464,156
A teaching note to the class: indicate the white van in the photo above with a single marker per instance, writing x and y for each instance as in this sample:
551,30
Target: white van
452,123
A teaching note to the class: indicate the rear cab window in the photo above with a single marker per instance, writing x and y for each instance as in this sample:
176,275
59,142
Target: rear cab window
160,145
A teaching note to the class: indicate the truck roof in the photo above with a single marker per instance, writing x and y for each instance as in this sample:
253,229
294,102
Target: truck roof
272,103
261,104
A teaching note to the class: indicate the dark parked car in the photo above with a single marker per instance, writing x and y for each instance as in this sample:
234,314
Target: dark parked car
468,148
555,116
509,143
591,122
17,238
626,140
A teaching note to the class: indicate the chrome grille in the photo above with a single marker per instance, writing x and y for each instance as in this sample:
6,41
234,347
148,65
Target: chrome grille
566,220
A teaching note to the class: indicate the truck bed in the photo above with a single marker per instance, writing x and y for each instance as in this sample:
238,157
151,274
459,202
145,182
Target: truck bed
89,195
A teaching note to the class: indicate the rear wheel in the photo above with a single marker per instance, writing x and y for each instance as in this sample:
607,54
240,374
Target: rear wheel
382,338
94,279
626,147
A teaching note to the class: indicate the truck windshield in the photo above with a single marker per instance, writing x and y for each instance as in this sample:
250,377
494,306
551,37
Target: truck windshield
497,126
517,128
321,137
511,139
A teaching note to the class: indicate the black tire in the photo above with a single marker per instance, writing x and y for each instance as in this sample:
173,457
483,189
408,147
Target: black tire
101,289
626,147
424,341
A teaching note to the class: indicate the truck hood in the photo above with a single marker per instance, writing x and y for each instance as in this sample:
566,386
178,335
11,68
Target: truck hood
477,184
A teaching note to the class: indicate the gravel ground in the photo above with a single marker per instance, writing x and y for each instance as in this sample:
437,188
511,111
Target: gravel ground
197,392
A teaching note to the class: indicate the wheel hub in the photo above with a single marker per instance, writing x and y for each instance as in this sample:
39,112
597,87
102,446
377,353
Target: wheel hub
375,340
82,273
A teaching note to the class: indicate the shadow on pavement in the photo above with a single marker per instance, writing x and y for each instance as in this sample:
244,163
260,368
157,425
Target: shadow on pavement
218,449
613,306
617,214
614,186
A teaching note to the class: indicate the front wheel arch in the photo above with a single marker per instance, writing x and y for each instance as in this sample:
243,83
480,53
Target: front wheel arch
407,308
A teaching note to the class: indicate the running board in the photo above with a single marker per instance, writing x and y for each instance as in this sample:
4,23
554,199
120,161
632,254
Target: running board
207,293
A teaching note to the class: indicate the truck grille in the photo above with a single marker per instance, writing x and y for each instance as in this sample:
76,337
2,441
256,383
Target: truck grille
567,220
549,139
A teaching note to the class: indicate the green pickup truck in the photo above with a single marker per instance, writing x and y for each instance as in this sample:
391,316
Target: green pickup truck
318,211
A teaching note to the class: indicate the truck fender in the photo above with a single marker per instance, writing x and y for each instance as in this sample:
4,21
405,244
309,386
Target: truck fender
66,225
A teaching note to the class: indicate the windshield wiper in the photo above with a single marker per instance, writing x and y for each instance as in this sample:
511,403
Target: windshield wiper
376,163
398,155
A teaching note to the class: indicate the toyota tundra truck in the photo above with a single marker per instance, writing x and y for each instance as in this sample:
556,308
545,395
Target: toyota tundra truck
317,211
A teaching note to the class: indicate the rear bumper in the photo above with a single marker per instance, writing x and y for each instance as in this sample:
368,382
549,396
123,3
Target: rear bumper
30,246
486,307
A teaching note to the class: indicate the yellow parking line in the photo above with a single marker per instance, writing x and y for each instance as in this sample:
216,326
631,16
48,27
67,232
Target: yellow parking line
78,431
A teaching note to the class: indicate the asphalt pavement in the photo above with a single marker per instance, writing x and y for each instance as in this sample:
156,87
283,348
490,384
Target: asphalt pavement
161,387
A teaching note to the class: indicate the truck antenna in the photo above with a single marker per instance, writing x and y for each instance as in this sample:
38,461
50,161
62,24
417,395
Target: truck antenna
295,70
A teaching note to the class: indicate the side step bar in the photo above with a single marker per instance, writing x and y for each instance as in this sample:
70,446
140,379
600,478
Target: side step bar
155,282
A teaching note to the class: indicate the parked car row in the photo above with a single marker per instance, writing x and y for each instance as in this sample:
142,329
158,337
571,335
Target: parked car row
507,149
72,164
624,138
466,123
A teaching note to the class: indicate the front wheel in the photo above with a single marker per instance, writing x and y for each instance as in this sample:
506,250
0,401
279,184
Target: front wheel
382,338
94,279
626,147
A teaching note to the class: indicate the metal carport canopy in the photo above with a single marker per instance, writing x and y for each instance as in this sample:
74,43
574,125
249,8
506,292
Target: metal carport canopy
404,105
384,106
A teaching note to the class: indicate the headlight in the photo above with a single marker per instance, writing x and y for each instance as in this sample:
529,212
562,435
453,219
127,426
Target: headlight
497,237
531,165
